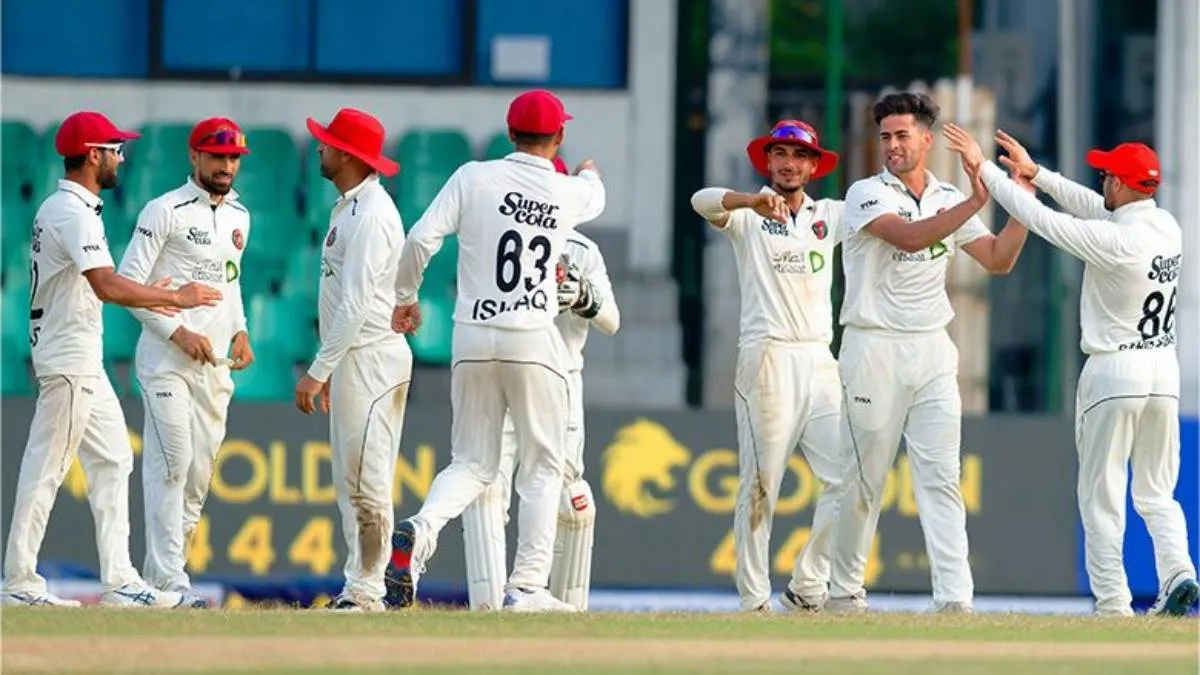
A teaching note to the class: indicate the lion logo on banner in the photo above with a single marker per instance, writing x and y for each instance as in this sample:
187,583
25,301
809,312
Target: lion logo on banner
642,455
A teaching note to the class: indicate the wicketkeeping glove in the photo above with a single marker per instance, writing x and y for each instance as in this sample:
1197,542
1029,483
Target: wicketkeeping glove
574,291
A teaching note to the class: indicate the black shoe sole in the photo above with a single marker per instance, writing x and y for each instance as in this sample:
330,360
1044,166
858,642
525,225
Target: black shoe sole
398,581
1181,600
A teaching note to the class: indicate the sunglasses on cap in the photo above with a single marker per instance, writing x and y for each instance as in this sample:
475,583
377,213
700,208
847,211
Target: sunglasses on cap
1149,183
117,149
224,138
792,132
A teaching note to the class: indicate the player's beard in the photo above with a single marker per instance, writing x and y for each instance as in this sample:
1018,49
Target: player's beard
787,189
107,177
213,188
327,172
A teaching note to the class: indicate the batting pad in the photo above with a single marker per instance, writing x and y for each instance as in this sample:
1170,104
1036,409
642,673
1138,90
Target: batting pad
571,575
484,541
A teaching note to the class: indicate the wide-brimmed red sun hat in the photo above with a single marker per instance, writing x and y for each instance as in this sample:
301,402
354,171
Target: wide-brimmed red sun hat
790,132
357,134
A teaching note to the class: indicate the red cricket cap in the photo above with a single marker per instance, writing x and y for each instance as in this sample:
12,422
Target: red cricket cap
537,112
1134,164
219,136
80,130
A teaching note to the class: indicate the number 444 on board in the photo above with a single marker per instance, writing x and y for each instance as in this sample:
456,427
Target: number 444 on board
253,546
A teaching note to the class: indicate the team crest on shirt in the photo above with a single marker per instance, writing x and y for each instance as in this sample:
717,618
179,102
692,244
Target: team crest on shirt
238,240
332,237
820,229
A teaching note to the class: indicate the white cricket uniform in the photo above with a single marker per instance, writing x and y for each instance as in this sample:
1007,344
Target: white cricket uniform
899,376
368,367
1127,401
512,217
485,518
785,272
76,405
184,236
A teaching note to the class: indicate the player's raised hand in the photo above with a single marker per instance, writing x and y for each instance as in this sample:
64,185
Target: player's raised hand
961,141
406,318
772,206
193,295
979,192
1018,160
586,165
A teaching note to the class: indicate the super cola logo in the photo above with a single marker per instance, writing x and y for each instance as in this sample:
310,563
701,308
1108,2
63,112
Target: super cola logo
528,211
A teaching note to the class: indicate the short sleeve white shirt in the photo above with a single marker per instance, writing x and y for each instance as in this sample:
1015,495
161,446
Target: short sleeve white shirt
888,288
785,272
65,324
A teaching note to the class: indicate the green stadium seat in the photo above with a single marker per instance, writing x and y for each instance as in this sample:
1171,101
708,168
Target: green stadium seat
49,168
269,378
16,265
269,178
145,177
121,332
17,222
21,155
162,140
16,378
432,342
15,314
427,159
498,147
303,278
283,325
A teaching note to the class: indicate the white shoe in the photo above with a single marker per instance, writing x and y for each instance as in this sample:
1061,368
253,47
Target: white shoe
141,596
854,604
346,602
190,599
46,599
1177,596
535,600
794,602
954,607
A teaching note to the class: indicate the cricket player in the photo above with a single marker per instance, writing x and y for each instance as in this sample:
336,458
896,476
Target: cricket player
898,365
787,389
512,217
585,299
362,371
1127,402
71,273
196,232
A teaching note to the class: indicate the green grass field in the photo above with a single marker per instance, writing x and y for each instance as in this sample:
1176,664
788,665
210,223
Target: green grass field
436,642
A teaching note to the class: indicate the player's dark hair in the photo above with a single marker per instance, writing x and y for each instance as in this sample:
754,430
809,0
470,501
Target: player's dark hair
525,138
74,163
920,106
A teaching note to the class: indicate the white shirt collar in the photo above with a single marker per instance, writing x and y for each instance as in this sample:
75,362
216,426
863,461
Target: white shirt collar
355,191
532,160
1133,207
90,198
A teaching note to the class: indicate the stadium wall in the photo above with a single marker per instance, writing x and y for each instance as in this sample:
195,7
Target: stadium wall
627,130
665,485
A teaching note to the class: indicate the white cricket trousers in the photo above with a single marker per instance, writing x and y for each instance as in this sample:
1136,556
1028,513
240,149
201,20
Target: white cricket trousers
894,385
787,395
186,408
73,412
498,371
368,393
485,519
1127,413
